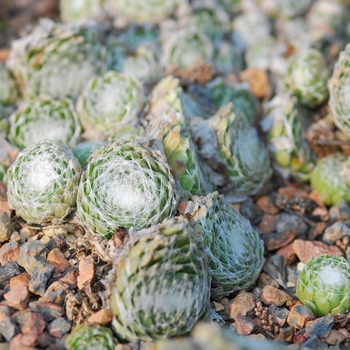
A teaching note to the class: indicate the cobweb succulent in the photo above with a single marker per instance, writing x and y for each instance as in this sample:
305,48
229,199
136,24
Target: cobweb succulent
43,182
126,184
331,180
108,102
8,89
160,287
44,118
324,285
77,10
235,250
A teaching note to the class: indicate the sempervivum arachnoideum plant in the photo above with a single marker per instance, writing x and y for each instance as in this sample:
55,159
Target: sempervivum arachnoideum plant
8,89
56,60
43,182
126,184
331,178
77,10
90,337
160,287
45,118
338,85
230,146
235,250
324,285
108,102
307,77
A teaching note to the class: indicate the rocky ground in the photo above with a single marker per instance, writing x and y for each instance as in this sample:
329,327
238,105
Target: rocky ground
50,277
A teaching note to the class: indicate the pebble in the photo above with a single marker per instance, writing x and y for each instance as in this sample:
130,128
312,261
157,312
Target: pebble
251,211
279,314
26,233
23,341
18,297
31,323
30,253
307,249
57,259
314,343
276,240
54,231
285,334
45,339
288,252
70,278
86,272
299,315
268,223
59,327
49,311
341,211
245,325
104,317
337,231
217,307
9,252
266,280
8,328
55,293
57,241
267,205
273,296
40,275
242,305
288,222
334,338
5,226
275,266
20,280
8,271
320,327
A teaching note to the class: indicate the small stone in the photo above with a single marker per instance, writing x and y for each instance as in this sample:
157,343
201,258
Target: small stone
5,226
285,334
30,253
57,241
4,204
9,252
31,323
49,311
300,337
318,229
57,259
18,297
8,271
276,240
322,213
299,315
258,80
44,340
54,231
287,222
266,280
20,280
182,207
5,311
273,296
267,205
320,327
314,343
39,277
288,252
279,315
245,325
334,338
251,211
70,278
8,328
55,293
341,211
218,307
242,305
335,232
268,223
307,249
23,341
26,233
104,317
344,332
86,272
59,327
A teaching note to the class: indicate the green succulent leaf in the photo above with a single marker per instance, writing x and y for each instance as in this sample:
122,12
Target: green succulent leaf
8,89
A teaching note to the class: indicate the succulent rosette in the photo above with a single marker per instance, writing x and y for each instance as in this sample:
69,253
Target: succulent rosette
161,285
108,102
286,123
126,183
8,89
185,48
90,337
231,6
285,9
307,77
228,57
331,180
338,91
41,119
235,250
221,93
232,149
324,285
56,60
77,10
43,182
145,11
